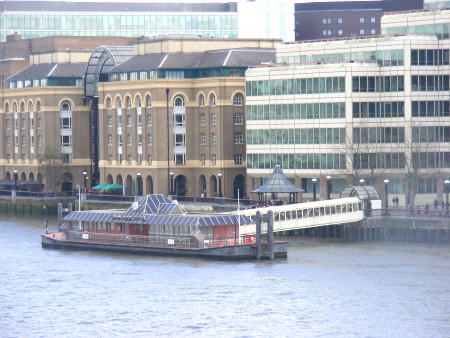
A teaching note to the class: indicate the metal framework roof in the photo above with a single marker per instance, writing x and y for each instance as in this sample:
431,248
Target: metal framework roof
277,183
103,59
363,192
157,210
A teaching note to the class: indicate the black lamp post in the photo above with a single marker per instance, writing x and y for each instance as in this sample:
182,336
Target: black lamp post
171,174
446,183
220,185
170,190
328,178
386,196
85,179
314,182
138,184
46,219
15,180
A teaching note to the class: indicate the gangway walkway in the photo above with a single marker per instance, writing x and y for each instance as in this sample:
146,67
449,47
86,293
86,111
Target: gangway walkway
307,215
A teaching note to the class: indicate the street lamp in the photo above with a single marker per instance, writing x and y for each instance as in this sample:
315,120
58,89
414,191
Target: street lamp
361,181
171,174
386,202
138,181
314,182
220,185
85,179
328,178
170,191
15,180
46,219
446,183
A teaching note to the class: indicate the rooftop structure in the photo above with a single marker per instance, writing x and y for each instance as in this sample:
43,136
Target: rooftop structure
127,19
335,19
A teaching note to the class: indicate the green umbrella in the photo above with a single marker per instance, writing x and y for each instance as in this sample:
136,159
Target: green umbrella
99,187
111,187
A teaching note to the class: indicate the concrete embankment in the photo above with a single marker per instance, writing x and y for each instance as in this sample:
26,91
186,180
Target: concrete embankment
396,229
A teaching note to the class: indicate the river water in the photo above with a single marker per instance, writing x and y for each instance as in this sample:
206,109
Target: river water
323,289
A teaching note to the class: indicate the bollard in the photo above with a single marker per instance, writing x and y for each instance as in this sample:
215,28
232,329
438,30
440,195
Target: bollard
258,221
270,235
59,215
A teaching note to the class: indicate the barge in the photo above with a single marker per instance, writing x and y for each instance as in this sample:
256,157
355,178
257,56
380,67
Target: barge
156,225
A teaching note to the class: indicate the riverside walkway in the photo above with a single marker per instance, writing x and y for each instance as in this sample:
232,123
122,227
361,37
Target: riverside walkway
307,215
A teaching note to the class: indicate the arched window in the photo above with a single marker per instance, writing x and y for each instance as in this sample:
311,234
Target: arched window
14,107
22,107
7,107
128,102
118,103
30,107
178,101
108,103
138,102
65,107
201,100
238,100
148,101
38,106
212,100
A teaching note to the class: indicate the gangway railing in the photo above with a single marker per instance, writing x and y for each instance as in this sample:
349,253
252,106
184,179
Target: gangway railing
307,215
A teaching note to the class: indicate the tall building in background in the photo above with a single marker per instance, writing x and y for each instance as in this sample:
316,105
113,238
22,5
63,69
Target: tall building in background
372,108
330,20
234,19
433,4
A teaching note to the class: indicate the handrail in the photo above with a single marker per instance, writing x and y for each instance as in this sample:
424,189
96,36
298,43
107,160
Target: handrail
185,241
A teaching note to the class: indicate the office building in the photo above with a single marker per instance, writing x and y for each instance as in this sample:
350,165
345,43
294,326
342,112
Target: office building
217,19
357,108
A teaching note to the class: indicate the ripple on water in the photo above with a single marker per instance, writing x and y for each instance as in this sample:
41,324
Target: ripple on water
323,289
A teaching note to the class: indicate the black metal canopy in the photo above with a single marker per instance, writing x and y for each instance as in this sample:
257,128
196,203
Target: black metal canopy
278,183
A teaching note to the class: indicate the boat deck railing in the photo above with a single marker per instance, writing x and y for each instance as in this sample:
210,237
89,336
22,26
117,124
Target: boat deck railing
186,242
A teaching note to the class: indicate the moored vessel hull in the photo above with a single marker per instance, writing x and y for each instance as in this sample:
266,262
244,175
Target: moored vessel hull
230,252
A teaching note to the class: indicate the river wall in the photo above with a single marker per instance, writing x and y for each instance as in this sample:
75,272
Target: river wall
385,228
395,229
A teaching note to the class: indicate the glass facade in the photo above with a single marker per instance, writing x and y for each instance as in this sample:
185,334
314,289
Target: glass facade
430,108
322,85
297,161
330,110
436,4
429,57
379,135
370,84
439,30
379,161
429,83
296,136
378,109
385,58
36,25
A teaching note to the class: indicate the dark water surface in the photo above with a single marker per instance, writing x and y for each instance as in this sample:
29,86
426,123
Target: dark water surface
323,289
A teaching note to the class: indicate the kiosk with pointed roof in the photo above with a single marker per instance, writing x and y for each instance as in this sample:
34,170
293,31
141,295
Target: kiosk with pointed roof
277,183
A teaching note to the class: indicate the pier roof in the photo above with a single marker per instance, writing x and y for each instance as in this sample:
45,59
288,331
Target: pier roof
157,210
